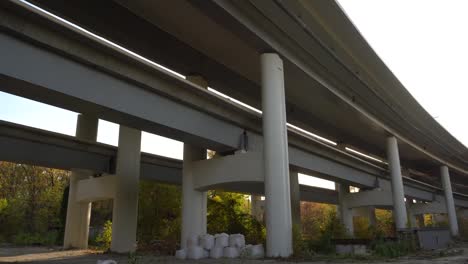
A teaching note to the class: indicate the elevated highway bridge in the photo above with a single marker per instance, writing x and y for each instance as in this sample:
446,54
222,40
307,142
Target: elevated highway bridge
301,62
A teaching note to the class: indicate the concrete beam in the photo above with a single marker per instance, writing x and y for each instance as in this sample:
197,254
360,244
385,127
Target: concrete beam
96,189
376,197
435,207
44,148
222,171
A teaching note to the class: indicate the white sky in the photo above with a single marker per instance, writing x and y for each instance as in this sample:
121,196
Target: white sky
423,42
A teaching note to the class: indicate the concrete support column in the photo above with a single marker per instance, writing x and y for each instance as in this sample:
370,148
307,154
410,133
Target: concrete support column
78,214
399,208
125,211
295,199
276,161
372,216
452,215
194,203
256,207
345,214
420,220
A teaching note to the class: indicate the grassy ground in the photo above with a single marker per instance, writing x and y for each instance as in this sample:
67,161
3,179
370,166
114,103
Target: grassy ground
54,256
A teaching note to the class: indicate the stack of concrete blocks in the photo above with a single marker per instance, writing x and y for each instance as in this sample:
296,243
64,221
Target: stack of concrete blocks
355,249
219,246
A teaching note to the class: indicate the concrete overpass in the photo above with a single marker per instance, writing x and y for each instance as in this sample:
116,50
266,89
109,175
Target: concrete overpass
300,61
67,153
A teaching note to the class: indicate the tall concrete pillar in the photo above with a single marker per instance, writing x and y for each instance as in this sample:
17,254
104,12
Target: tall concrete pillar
256,207
125,211
399,207
194,203
411,217
420,221
345,214
372,216
295,199
276,161
79,213
452,215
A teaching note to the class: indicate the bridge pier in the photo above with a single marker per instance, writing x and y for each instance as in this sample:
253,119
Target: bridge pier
345,213
125,207
257,207
194,203
295,199
398,195
450,204
276,161
78,213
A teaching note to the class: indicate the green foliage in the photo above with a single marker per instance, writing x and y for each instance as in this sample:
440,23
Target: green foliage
36,239
30,199
300,249
133,258
332,229
159,217
392,249
104,239
3,204
228,213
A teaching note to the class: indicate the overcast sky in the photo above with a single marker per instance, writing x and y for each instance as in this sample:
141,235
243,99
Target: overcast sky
423,42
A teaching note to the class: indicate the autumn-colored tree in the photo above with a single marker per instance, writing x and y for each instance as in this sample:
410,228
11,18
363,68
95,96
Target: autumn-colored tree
30,202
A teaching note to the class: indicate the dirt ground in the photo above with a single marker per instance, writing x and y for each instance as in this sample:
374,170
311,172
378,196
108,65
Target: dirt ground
55,256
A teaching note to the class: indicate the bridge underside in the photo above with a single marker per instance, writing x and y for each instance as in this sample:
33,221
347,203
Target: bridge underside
299,79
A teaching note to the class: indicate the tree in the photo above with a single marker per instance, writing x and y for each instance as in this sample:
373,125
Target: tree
33,197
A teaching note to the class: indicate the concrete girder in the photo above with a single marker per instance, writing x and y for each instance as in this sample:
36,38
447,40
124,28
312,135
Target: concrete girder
96,189
219,172
49,149
375,197
435,207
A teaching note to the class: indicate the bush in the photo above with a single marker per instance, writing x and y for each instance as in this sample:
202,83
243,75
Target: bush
104,239
226,213
36,239
392,249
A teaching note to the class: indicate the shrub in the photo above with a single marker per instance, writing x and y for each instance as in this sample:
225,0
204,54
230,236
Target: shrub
28,239
104,239
392,249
